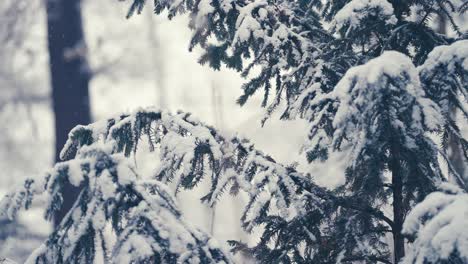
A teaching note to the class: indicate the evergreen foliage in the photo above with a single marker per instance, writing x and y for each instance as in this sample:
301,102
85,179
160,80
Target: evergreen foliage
380,124
372,77
114,201
379,121
445,77
436,224
142,214
377,114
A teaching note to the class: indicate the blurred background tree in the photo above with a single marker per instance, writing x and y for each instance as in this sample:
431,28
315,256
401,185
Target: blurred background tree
106,61
69,78
23,99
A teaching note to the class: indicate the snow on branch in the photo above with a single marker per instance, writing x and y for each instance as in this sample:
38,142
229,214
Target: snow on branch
155,233
144,212
445,79
191,150
381,95
280,40
113,195
445,76
352,15
438,225
280,198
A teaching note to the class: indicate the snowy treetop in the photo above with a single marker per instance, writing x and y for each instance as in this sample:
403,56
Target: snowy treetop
445,75
284,48
352,14
391,76
284,45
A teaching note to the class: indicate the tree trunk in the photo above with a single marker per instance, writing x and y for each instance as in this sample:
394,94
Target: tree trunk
69,75
398,212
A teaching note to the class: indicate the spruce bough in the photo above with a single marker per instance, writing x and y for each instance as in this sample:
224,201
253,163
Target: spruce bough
373,83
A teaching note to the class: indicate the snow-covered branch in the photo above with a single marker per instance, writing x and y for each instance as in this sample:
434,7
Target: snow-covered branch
438,226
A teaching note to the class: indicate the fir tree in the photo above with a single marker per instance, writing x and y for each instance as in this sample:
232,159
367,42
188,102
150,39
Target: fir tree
142,214
373,84
380,123
391,161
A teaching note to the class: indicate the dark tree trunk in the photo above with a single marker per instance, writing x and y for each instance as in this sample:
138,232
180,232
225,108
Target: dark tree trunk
398,211
69,78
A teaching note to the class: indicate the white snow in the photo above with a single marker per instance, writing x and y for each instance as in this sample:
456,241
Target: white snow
439,223
125,174
355,11
448,55
75,174
360,93
434,73
247,24
106,185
